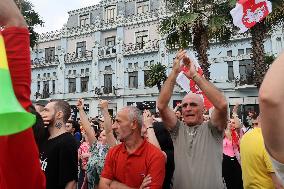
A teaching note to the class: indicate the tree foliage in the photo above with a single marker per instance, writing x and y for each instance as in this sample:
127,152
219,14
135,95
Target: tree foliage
259,32
157,75
32,18
196,22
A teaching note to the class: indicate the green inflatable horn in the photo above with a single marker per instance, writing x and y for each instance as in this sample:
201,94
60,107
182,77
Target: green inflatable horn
13,117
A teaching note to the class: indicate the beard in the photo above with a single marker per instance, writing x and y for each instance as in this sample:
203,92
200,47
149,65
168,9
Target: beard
51,121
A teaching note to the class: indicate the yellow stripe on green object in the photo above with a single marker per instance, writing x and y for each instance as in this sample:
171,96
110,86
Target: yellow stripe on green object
3,57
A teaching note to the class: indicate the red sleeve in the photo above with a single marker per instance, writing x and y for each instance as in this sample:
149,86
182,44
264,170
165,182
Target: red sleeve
108,166
157,170
19,157
17,45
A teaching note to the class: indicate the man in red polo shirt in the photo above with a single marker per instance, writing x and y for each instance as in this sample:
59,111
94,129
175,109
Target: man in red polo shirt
135,163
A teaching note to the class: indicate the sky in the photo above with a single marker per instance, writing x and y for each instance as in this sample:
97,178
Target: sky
54,12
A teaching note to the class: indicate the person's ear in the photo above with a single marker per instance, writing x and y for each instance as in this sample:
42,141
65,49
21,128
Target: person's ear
134,124
59,115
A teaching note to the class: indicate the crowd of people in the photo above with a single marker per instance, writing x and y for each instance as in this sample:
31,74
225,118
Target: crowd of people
181,149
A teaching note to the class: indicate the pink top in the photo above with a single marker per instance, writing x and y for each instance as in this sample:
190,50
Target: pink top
228,147
84,148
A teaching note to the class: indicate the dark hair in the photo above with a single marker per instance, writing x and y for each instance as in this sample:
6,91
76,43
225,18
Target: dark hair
61,105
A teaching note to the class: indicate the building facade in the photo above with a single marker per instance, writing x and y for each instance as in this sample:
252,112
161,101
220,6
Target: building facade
104,52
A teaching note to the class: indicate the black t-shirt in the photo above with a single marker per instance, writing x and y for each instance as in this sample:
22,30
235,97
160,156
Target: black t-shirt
166,144
59,161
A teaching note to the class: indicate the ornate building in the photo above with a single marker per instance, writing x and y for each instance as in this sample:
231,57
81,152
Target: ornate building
104,51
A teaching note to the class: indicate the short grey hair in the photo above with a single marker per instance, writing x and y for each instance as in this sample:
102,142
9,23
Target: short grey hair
135,114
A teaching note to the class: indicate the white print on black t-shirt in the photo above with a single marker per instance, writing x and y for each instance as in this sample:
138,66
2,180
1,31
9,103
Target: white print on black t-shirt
43,163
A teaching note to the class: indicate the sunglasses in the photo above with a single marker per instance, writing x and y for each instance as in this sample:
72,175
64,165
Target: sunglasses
192,104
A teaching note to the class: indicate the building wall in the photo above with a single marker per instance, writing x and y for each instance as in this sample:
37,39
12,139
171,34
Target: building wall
126,58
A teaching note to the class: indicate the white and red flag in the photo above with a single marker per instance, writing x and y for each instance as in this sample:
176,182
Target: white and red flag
249,12
190,86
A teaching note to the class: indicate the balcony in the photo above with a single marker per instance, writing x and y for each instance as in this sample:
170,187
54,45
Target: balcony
76,57
107,52
45,62
143,47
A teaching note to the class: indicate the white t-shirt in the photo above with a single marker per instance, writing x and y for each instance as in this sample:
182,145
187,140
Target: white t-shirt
279,169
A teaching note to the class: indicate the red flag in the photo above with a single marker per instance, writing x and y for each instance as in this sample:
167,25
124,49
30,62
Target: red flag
249,12
195,89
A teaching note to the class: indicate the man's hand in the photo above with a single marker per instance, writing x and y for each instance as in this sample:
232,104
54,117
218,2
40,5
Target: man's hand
177,65
189,64
147,118
146,181
80,104
103,104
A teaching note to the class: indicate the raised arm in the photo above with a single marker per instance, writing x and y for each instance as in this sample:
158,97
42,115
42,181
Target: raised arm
167,114
219,115
90,132
271,95
16,37
148,124
107,123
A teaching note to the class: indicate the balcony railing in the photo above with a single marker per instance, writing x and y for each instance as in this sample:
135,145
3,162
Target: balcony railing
45,61
107,52
147,46
78,57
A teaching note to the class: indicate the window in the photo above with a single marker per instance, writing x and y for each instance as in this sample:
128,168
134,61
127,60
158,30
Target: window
146,63
107,84
151,62
69,72
38,75
45,92
110,43
248,50
82,71
136,65
230,71
72,85
146,77
53,86
241,51
229,53
141,39
130,65
278,44
49,54
38,86
74,72
246,71
48,74
54,74
44,75
108,68
142,7
87,70
81,49
84,84
133,80
84,19
110,13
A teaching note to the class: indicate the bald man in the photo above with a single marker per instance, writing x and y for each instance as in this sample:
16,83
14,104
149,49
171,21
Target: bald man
197,144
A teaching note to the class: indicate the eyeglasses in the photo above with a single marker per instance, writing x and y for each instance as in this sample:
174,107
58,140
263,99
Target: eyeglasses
192,104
